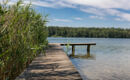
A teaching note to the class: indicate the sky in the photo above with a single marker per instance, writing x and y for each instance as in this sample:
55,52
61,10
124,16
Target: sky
84,13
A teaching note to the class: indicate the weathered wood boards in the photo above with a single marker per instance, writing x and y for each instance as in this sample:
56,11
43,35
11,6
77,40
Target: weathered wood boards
54,66
64,44
78,44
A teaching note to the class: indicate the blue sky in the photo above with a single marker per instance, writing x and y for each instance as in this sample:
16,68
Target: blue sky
84,13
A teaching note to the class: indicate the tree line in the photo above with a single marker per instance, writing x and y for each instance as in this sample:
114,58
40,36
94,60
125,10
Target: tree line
93,32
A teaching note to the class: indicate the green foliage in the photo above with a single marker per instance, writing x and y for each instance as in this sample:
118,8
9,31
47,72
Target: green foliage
23,35
89,32
68,48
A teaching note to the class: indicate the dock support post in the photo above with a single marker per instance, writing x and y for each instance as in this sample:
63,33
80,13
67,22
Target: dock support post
73,50
88,51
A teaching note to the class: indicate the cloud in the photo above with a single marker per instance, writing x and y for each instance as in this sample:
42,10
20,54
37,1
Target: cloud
43,4
96,17
125,16
106,4
52,3
93,11
97,7
101,13
62,20
77,18
118,19
102,3
100,8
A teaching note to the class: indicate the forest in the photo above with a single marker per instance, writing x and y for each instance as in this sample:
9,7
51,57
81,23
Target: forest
57,31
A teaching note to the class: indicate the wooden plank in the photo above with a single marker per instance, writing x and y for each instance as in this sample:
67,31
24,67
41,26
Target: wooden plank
64,44
54,66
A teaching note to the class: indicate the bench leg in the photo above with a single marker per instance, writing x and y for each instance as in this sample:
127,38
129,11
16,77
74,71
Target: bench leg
88,51
73,50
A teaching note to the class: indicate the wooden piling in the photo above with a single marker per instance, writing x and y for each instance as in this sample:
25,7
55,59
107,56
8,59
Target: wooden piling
73,50
88,50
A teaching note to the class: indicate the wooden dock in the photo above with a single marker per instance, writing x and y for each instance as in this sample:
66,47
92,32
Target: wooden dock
54,66
79,44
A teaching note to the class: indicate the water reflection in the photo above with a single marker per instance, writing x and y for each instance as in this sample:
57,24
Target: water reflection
79,52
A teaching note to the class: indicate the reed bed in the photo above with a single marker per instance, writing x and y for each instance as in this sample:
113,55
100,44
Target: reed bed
23,35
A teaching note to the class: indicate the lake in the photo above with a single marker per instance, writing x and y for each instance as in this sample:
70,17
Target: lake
111,62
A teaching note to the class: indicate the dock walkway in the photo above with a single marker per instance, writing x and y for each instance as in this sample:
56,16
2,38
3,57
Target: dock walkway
54,66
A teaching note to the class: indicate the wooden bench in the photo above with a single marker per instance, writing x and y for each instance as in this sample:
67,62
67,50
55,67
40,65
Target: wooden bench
78,44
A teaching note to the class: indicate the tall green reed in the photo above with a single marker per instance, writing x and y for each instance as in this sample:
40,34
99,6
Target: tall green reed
23,35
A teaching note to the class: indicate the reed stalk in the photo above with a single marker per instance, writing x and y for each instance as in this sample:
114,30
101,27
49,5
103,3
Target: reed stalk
23,34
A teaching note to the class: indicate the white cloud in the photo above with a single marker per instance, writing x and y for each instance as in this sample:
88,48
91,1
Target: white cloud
102,3
44,4
125,16
93,11
118,19
106,4
96,7
62,20
96,17
52,3
78,18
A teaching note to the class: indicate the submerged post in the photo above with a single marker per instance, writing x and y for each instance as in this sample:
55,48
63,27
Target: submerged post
88,51
73,50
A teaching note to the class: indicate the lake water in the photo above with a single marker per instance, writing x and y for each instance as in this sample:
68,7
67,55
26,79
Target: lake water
111,62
